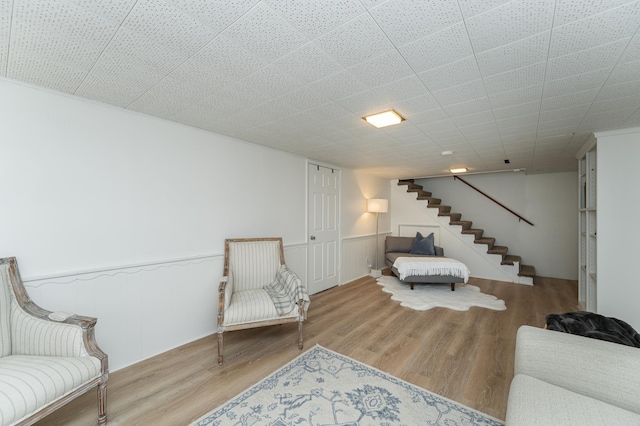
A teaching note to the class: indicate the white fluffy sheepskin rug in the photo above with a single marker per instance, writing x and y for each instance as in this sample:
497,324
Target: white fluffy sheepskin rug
429,296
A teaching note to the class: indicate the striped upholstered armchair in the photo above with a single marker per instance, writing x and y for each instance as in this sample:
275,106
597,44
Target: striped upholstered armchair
258,289
46,359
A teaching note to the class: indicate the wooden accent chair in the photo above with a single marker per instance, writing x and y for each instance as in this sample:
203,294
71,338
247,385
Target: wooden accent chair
46,358
258,289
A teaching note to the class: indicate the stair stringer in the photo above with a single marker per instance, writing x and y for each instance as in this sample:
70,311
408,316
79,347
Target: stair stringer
406,209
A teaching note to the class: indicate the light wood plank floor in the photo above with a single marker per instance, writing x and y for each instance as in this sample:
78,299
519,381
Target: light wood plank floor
464,356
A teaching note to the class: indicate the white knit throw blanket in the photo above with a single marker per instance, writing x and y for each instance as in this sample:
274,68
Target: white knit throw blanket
420,266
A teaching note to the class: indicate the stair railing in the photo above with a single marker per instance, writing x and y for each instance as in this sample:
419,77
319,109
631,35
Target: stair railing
493,199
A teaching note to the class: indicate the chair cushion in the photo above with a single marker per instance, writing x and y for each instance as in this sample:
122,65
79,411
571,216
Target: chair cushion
534,402
252,305
253,263
28,383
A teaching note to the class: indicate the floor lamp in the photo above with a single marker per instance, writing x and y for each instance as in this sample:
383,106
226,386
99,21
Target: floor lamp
377,206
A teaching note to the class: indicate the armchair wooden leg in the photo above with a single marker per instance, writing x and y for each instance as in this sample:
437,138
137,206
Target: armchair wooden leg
453,286
102,403
220,348
300,335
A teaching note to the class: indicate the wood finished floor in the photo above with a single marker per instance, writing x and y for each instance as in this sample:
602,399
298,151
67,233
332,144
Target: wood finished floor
464,356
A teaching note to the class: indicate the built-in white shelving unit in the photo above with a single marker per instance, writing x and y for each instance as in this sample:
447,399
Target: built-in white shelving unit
588,232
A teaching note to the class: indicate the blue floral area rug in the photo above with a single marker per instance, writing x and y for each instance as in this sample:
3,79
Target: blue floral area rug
321,388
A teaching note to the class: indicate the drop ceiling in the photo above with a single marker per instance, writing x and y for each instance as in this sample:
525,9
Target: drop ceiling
524,80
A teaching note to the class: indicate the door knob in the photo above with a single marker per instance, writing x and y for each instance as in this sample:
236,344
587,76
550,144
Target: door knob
313,237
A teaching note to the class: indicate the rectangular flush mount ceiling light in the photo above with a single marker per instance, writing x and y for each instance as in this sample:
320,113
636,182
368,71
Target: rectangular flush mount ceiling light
460,170
384,119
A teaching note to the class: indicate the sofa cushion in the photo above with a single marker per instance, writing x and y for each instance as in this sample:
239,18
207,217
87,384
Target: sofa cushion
31,382
398,244
423,245
534,402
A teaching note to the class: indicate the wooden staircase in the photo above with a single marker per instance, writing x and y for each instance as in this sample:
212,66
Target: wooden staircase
479,238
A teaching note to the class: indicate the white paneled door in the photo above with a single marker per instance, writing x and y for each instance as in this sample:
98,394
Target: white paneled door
323,250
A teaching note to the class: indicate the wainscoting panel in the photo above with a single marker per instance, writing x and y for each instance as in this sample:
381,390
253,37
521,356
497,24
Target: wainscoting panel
143,310
148,309
356,250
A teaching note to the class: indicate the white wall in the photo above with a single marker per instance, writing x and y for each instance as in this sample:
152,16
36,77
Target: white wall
618,206
122,216
549,201
358,226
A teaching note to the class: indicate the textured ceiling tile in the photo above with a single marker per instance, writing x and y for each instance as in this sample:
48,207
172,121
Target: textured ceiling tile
53,44
616,103
618,90
167,25
424,117
516,55
461,93
270,81
316,17
383,69
607,27
307,64
338,85
120,88
356,41
623,73
45,72
217,15
472,8
516,97
586,60
479,117
161,104
516,110
633,120
576,83
572,10
415,105
510,22
132,47
222,58
521,121
512,80
402,89
468,107
264,33
406,20
563,123
303,98
5,30
441,48
365,103
452,74
560,113
632,53
573,99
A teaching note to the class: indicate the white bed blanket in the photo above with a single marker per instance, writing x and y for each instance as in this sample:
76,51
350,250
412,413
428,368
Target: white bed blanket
420,266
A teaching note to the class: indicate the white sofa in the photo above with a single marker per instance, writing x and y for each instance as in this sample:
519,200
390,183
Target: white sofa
564,379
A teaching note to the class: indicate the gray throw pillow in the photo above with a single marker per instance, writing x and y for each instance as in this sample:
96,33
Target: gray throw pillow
422,245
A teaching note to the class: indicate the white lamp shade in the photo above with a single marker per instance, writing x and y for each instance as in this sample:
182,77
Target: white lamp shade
377,205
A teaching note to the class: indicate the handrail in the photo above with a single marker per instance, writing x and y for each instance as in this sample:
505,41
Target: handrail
492,199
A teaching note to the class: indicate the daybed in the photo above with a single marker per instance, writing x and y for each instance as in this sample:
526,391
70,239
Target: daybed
396,247
565,379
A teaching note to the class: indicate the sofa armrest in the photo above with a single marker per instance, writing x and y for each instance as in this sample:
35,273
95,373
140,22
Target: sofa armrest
606,371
